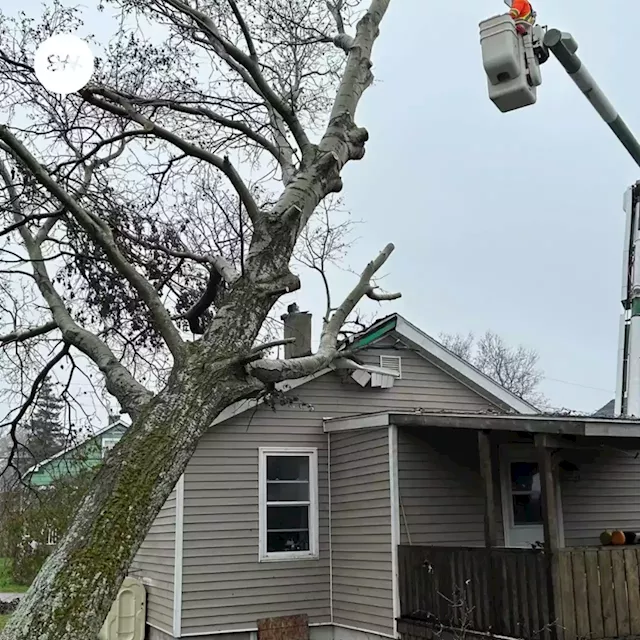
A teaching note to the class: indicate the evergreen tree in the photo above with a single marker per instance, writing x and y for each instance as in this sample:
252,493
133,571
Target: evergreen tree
45,434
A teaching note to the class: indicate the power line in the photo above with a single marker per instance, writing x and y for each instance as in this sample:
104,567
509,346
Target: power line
576,384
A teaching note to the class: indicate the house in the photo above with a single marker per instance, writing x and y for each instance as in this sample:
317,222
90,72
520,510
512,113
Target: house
81,457
412,499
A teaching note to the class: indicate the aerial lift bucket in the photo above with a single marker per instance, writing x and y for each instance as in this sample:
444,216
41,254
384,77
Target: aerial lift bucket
509,62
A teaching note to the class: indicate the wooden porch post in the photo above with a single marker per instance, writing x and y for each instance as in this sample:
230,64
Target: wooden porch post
486,471
490,527
551,531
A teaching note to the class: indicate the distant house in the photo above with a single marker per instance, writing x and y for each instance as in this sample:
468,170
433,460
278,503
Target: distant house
73,460
607,410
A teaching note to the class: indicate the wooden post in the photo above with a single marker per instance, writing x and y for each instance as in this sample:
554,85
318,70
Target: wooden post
486,471
490,528
551,531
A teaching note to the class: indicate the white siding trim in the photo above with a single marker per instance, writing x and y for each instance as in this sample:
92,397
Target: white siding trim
360,421
314,509
395,522
360,630
196,634
178,553
330,528
155,626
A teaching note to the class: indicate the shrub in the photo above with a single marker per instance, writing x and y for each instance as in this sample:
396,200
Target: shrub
33,520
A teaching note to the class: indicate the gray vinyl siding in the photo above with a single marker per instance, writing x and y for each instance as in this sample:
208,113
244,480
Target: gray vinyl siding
440,489
361,530
225,588
422,384
604,494
155,562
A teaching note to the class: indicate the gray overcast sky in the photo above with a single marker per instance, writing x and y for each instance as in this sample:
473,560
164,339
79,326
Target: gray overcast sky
509,222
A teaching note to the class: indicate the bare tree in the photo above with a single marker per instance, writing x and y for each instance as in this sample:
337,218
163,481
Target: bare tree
515,368
167,197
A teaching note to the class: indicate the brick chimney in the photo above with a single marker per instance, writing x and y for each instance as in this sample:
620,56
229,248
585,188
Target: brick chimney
297,324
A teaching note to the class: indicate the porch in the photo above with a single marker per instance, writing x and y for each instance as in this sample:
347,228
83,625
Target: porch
525,583
535,594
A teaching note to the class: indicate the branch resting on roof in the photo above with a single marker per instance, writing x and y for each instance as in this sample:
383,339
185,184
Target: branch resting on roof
271,371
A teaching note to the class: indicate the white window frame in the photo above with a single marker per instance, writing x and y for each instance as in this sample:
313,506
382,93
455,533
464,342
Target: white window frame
109,440
313,552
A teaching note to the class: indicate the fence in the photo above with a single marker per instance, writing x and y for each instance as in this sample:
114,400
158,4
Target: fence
574,594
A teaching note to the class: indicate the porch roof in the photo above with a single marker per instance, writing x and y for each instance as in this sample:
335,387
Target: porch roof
541,423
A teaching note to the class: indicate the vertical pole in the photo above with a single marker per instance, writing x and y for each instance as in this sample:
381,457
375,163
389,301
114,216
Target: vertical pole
490,523
551,531
486,471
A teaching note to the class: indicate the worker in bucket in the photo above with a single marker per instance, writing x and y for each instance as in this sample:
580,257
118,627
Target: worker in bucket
521,11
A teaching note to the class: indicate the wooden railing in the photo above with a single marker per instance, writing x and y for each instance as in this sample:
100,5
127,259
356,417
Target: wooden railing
572,594
501,591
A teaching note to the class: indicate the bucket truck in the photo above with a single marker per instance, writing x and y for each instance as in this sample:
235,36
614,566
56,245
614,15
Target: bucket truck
512,65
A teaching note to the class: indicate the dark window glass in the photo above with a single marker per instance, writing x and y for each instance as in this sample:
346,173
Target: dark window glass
279,541
527,509
287,518
525,476
287,468
287,491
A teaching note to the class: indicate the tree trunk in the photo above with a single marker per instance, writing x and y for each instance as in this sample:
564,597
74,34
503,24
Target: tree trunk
76,587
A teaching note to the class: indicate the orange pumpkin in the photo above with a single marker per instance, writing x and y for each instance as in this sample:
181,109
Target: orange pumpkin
618,537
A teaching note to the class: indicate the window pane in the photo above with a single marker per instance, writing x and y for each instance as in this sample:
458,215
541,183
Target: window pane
287,491
287,518
527,509
287,467
287,541
525,476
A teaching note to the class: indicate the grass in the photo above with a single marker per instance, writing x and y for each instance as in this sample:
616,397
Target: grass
3,620
6,583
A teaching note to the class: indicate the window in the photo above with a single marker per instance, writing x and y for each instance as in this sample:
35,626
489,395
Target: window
108,444
288,504
52,537
526,493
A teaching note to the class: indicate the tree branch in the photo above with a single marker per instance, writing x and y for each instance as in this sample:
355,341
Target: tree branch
13,424
380,296
21,335
244,28
270,371
343,40
223,121
119,381
228,272
227,50
101,234
223,164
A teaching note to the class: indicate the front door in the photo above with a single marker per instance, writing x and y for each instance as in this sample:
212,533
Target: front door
521,499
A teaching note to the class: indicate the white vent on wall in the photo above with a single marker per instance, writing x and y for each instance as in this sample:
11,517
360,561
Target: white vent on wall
393,363
383,380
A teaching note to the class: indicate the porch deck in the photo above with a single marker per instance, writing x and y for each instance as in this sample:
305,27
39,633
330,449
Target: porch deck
566,594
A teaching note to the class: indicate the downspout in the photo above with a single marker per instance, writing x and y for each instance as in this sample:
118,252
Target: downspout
330,528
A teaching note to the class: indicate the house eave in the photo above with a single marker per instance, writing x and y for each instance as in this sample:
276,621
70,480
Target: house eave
544,424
